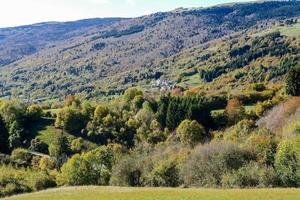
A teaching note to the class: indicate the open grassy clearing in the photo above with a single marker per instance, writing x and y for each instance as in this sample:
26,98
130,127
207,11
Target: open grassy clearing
116,193
287,30
45,131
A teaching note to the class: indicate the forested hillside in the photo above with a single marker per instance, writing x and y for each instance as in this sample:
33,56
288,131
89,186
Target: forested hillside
202,97
185,47
17,42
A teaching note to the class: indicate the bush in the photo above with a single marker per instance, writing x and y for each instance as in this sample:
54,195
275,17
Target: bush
250,175
208,163
128,172
91,168
21,157
41,181
264,145
20,180
287,165
158,167
38,146
191,132
240,130
165,174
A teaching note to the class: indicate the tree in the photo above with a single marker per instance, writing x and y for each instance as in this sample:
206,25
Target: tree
191,132
235,110
72,120
3,137
162,110
59,147
34,112
286,165
77,145
293,81
38,146
15,135
100,112
91,168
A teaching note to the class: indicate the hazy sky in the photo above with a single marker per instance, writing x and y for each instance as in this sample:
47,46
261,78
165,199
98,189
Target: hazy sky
19,12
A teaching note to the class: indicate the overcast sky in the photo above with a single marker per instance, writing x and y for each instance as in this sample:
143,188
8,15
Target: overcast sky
20,12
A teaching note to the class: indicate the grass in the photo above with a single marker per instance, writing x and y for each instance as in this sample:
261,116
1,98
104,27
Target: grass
54,111
287,30
44,130
116,193
248,108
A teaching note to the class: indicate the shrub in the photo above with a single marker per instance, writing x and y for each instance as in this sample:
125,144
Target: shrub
250,175
158,167
77,145
41,181
240,130
264,145
39,146
191,132
262,107
286,165
91,168
207,163
128,172
21,157
20,180
165,174
259,87
46,164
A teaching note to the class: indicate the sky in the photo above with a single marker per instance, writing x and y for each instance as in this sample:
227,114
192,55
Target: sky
21,12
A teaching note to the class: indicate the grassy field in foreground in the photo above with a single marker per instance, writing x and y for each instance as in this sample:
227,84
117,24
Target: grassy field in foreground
115,193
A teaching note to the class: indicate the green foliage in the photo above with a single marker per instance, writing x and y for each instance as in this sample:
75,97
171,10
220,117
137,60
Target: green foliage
78,145
128,172
208,163
15,181
3,137
165,174
286,165
34,112
38,146
264,145
21,157
71,120
15,135
158,168
191,132
293,81
239,131
59,148
250,175
91,168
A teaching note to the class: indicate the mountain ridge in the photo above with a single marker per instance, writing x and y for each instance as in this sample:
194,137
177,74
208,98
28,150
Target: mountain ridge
114,56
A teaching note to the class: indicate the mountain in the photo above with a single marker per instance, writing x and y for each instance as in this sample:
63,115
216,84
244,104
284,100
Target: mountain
15,43
188,47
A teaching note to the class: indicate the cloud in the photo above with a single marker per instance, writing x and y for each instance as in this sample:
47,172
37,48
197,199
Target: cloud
99,2
131,2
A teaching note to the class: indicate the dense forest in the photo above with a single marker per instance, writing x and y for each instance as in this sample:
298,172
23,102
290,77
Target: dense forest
139,139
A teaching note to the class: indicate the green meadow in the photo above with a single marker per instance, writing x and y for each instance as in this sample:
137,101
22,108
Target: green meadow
116,193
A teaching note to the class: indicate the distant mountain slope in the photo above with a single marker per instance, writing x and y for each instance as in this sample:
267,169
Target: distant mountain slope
17,42
112,57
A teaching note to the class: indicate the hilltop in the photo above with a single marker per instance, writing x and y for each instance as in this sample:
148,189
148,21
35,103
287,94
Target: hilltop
185,47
